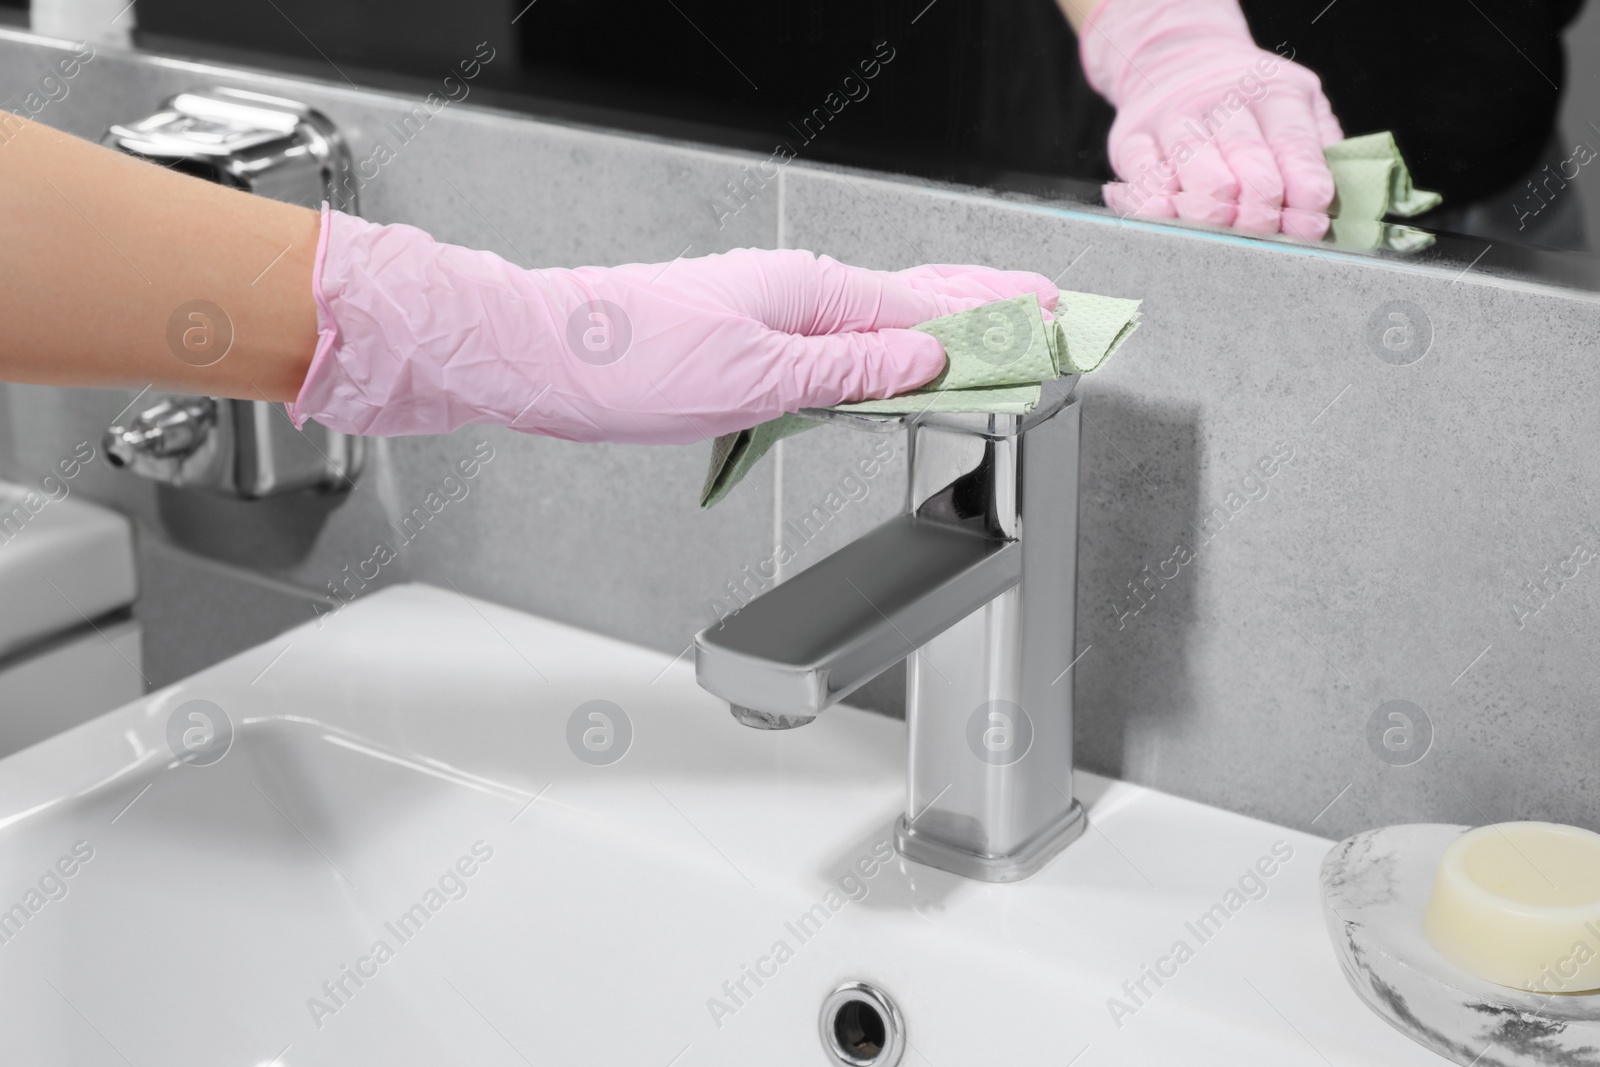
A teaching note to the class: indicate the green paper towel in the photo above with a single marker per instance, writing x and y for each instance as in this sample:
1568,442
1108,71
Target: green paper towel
733,454
1371,180
998,355
989,375
998,400
1003,343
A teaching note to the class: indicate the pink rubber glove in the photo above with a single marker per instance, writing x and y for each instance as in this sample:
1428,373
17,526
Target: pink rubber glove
1209,127
415,336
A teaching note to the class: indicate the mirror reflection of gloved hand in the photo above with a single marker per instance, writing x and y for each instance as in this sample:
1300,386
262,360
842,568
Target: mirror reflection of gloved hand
416,336
1209,127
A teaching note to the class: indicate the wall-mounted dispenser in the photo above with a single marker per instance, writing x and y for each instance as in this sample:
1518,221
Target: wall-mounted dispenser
239,448
242,448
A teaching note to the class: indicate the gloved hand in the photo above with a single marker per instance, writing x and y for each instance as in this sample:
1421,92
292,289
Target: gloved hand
1209,127
415,336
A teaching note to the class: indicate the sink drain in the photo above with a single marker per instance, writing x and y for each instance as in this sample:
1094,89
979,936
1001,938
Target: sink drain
861,1027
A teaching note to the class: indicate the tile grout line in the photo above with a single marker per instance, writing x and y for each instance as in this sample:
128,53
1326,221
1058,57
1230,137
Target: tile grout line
782,237
777,512
783,209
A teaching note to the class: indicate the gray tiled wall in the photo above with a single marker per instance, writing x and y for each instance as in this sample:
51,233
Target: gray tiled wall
1384,559
1355,532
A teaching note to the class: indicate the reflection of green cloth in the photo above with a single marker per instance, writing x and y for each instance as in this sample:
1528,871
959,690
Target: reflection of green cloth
998,355
1371,181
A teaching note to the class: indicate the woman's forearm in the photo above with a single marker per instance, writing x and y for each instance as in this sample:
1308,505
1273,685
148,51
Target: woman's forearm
99,252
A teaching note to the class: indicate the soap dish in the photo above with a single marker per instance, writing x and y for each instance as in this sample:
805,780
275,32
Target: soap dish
1375,889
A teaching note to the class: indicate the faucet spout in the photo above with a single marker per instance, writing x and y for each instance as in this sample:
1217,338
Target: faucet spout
757,719
974,586
789,654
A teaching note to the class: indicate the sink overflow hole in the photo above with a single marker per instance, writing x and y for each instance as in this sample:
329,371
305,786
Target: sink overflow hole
861,1027
859,1030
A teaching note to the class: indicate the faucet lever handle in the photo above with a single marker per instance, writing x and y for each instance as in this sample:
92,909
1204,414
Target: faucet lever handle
855,420
1053,396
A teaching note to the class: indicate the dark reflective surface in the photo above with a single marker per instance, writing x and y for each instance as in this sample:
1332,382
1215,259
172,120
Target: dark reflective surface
982,93
1495,103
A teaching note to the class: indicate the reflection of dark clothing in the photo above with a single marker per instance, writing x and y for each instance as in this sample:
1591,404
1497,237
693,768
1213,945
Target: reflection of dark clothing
981,87
984,91
1471,90
1552,217
976,87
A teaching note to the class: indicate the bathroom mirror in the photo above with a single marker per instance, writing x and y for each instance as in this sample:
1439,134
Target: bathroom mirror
1495,103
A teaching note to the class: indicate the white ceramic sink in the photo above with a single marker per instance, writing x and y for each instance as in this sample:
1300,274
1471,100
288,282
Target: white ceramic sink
607,904
68,648
62,562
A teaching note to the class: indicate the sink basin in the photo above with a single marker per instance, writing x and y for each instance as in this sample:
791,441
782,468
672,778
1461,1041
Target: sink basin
69,649
424,772
64,562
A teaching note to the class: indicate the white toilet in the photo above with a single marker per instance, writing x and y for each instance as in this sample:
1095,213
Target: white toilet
69,647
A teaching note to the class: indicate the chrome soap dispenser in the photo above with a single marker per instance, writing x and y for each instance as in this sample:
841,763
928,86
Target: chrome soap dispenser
240,448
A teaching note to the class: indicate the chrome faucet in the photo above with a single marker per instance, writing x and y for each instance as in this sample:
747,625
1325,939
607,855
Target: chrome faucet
976,583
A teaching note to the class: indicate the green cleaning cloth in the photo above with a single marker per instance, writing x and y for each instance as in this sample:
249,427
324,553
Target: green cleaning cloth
998,355
1371,180
733,454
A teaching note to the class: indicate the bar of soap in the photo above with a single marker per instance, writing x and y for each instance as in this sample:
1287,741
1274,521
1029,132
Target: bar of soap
1518,904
